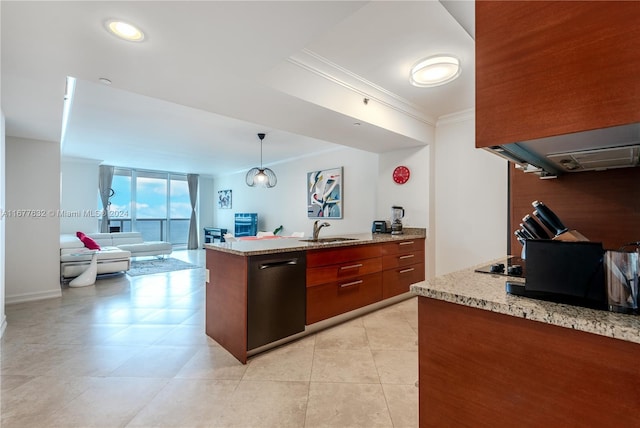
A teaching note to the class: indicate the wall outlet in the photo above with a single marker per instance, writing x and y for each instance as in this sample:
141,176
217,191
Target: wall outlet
207,273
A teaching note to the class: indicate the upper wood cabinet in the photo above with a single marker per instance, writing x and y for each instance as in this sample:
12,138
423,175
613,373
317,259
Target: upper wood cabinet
551,68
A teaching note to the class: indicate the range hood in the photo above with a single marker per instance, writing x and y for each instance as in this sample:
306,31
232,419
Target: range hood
594,150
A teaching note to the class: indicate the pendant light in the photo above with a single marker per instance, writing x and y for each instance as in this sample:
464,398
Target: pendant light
262,177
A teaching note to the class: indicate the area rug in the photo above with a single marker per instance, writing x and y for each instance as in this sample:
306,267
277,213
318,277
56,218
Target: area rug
147,267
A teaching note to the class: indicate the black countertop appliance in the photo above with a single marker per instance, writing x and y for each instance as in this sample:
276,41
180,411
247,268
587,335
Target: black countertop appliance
564,272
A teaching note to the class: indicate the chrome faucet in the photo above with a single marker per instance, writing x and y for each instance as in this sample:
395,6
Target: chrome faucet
316,228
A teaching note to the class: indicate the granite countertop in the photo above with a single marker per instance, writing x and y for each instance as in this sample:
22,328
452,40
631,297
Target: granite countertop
486,291
287,244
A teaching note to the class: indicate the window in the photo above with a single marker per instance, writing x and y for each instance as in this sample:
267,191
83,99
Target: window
151,205
156,204
120,208
179,209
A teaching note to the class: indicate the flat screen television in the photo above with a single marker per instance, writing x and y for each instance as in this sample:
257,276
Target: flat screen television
246,224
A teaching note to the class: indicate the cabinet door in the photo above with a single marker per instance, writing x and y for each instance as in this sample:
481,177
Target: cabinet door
331,256
349,269
405,246
550,68
328,300
398,280
403,259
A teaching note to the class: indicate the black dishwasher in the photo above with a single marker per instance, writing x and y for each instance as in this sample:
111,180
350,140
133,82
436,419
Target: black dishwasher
276,301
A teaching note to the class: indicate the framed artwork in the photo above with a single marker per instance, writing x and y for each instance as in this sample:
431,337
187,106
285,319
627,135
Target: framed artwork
324,193
224,199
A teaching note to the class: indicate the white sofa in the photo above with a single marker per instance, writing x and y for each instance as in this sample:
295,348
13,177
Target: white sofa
133,242
75,258
116,250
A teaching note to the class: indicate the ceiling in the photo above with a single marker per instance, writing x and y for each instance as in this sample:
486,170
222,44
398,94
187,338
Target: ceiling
313,75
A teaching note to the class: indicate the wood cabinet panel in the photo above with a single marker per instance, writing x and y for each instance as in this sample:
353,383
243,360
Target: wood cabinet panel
335,298
483,369
546,68
398,280
604,206
405,246
332,256
402,259
226,302
348,269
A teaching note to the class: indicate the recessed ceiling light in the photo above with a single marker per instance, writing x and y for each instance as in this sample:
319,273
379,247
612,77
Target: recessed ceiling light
104,81
434,71
124,30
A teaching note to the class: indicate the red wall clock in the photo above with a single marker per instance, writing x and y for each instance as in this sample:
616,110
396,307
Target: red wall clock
401,174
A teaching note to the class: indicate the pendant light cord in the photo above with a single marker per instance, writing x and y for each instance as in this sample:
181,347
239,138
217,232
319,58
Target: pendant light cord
261,136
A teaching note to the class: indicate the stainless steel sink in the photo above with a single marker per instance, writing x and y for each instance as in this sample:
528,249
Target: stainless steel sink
327,240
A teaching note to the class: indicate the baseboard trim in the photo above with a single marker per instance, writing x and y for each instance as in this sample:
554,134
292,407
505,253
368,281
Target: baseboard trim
28,297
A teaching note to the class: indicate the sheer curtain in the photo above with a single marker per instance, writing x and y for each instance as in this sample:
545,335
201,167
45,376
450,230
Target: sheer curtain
192,181
104,186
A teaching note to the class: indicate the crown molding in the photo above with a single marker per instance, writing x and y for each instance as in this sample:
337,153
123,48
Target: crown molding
320,66
461,116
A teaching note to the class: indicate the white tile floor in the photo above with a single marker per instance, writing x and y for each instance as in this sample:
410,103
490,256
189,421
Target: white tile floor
131,352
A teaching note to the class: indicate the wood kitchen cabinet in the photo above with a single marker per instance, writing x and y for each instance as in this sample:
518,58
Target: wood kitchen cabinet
550,68
342,279
479,368
226,302
247,288
402,265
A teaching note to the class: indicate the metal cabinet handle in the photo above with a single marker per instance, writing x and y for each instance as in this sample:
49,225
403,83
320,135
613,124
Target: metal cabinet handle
406,243
349,284
278,263
351,266
408,256
406,270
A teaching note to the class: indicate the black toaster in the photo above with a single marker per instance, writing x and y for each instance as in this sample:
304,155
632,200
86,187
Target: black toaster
380,226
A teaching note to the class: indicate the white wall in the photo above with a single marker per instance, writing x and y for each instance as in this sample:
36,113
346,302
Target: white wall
470,198
413,195
285,204
3,318
32,258
79,178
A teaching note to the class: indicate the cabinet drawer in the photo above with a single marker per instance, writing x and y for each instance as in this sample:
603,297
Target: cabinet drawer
403,259
328,300
339,255
407,246
348,269
397,281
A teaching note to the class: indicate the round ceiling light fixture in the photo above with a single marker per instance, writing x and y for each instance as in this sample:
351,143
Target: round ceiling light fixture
434,71
124,30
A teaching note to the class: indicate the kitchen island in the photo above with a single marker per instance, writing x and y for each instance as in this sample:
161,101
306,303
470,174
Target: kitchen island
487,358
255,301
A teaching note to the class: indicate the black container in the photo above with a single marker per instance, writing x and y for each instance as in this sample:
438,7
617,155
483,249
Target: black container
564,272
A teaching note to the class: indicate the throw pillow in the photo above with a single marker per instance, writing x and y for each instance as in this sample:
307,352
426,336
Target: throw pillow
89,243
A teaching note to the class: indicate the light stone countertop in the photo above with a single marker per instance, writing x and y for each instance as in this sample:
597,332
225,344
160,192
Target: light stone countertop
486,291
287,244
